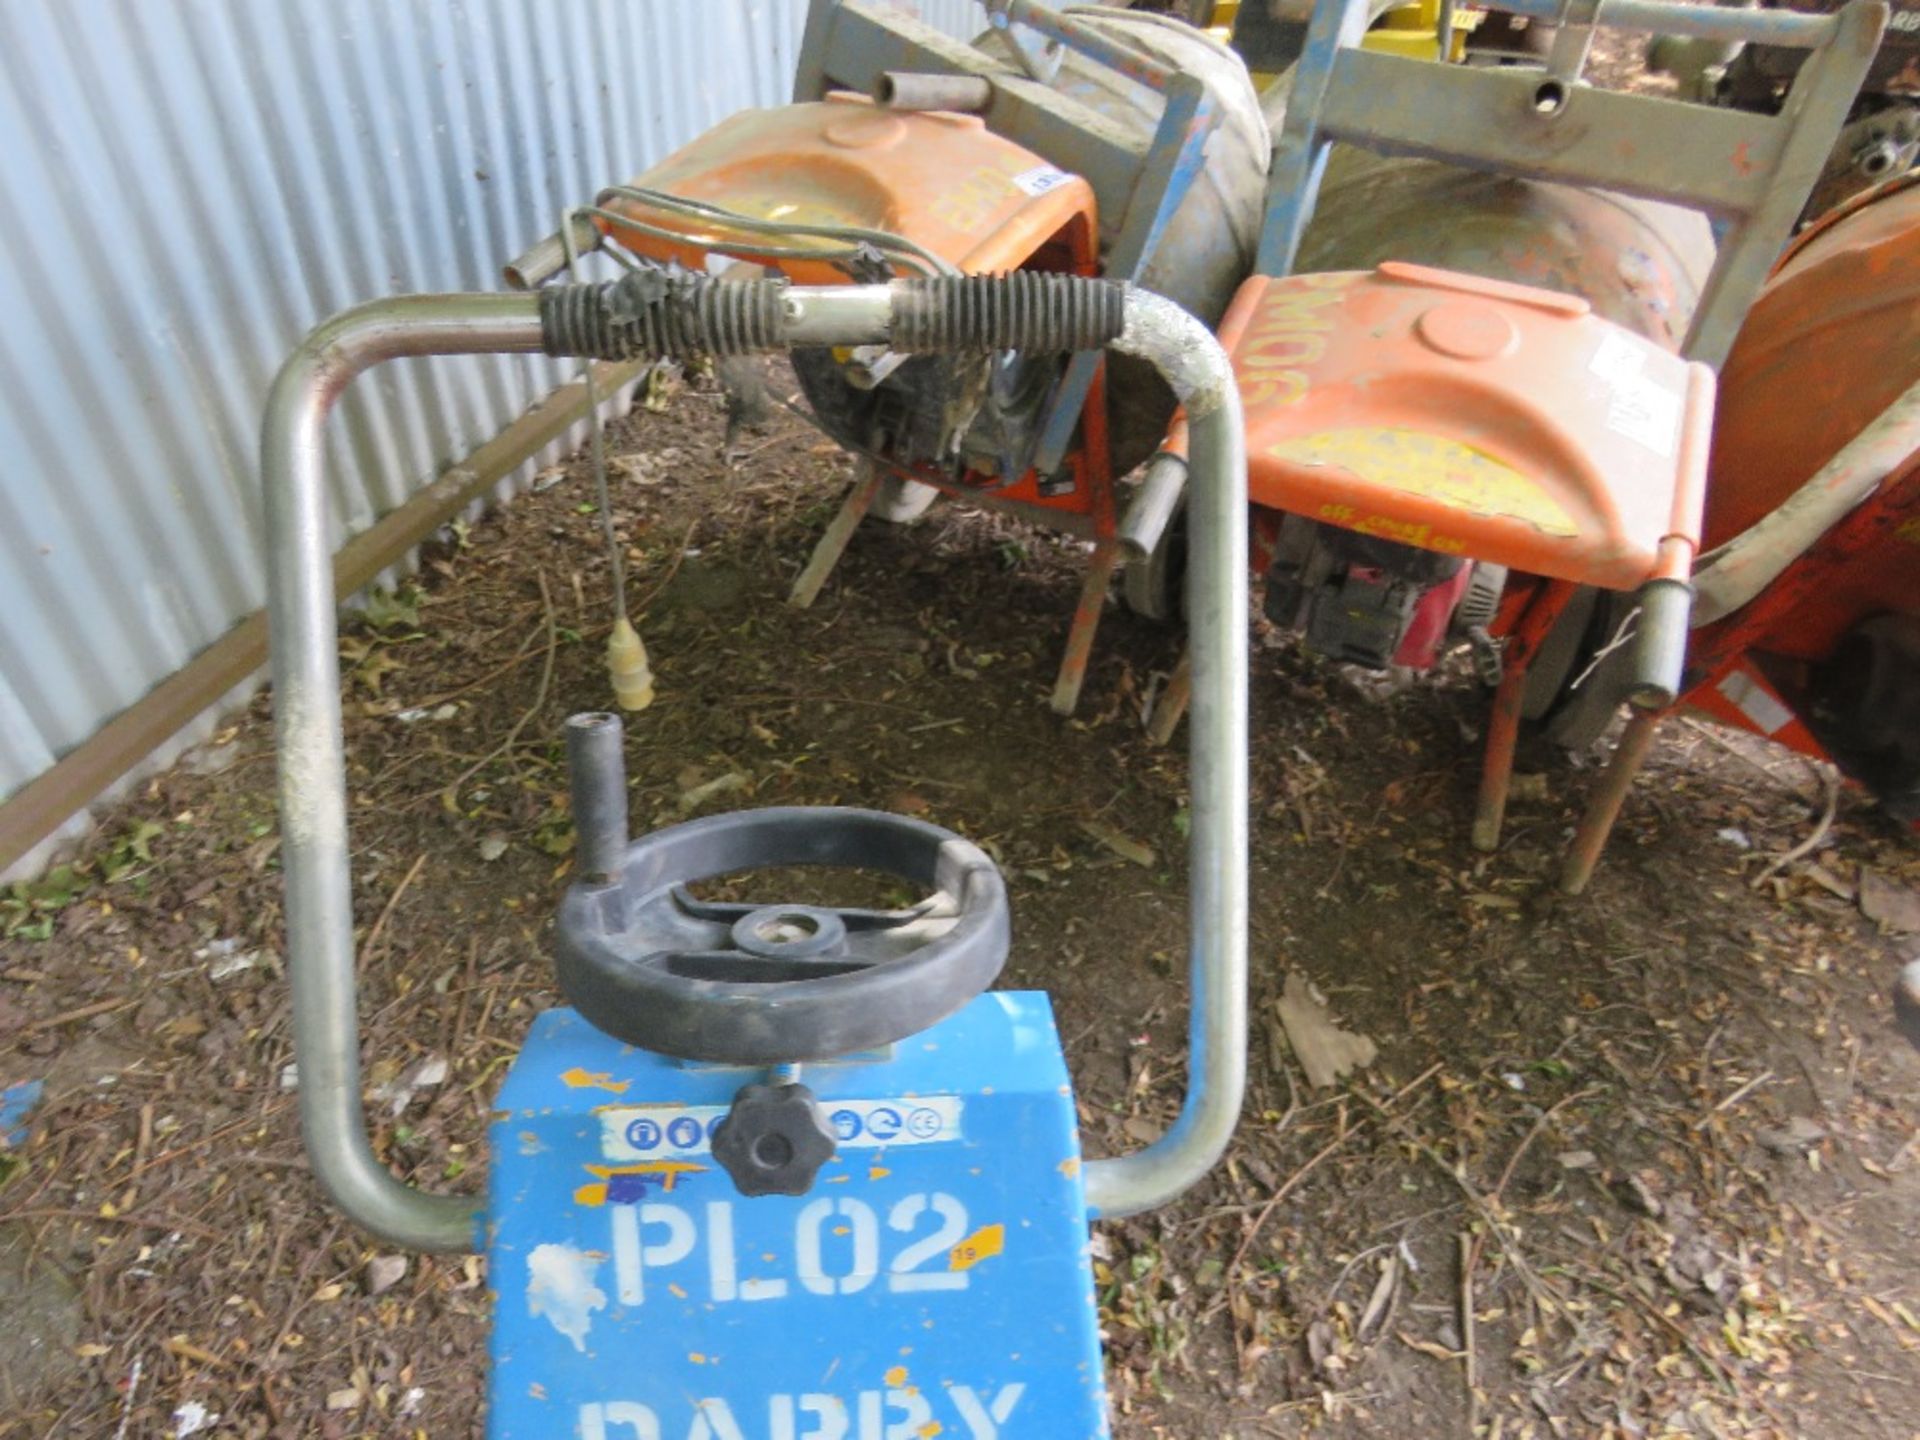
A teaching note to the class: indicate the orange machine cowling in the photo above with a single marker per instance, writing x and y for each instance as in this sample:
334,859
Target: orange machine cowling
952,189
1471,417
943,181
1832,340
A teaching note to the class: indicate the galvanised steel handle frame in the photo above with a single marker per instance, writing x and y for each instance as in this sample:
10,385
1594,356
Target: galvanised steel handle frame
312,774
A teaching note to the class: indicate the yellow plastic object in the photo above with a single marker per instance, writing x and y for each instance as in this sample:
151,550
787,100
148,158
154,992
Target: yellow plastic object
1413,30
627,666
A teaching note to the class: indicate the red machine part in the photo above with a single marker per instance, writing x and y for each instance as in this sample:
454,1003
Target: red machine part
1432,622
1832,341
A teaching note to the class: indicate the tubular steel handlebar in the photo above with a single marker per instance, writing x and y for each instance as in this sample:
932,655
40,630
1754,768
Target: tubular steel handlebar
1195,366
312,775
306,715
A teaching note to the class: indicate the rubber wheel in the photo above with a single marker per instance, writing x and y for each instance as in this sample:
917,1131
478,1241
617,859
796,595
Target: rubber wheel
1156,588
901,501
1576,718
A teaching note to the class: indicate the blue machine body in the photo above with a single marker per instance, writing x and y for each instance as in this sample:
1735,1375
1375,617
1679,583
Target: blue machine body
934,1282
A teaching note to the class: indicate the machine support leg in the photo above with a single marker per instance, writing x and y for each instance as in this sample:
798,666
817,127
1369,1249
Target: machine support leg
1503,723
1086,620
834,543
1172,702
1603,807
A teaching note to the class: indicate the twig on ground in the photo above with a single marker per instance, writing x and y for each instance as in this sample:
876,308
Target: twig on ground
279,1103
1706,1362
1812,842
162,1223
301,1292
68,1017
520,657
1543,1298
1707,732
1292,1182
133,1390
379,926
1545,1119
1467,1259
1734,1099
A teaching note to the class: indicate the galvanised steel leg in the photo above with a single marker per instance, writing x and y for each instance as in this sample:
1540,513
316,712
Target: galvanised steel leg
1086,620
1603,808
839,534
1503,723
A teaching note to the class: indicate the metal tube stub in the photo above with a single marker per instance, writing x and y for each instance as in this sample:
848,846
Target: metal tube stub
597,778
546,258
1145,523
916,90
1660,656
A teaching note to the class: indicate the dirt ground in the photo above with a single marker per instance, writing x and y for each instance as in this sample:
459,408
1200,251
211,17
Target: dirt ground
1639,1164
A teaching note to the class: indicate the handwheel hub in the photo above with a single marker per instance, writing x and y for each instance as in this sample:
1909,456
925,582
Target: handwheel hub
789,932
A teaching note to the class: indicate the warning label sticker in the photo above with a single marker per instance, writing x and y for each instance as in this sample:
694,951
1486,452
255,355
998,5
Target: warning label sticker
630,1133
1041,179
1638,406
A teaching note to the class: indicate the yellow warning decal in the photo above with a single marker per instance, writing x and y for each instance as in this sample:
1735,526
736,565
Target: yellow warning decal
579,1078
1435,467
983,1244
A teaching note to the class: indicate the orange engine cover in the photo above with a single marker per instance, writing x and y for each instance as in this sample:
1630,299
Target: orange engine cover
1472,417
1833,339
943,181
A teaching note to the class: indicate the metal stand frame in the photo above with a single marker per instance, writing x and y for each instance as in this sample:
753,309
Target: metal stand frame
1529,633
1752,171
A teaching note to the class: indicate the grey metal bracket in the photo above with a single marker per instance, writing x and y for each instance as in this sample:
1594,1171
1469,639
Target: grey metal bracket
1752,172
1175,161
848,44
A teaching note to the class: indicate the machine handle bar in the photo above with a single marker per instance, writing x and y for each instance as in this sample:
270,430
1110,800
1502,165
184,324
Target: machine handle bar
306,688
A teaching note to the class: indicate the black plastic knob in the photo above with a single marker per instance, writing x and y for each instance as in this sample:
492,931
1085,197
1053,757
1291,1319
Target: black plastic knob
774,1140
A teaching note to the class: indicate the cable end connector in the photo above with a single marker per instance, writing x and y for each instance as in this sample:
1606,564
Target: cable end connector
627,666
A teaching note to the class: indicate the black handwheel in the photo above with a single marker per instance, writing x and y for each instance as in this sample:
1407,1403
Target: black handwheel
645,961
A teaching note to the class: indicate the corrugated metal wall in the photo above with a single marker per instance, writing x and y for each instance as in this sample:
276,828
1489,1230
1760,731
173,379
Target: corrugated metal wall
189,185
